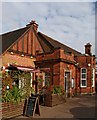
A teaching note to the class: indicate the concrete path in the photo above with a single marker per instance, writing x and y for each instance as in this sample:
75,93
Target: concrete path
75,108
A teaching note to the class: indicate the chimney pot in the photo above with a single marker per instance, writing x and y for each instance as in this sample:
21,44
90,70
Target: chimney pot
88,49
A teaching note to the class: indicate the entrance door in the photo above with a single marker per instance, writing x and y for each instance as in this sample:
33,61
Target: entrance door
67,84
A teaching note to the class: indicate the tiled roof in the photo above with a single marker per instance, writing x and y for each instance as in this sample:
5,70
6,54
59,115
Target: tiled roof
53,44
47,43
9,38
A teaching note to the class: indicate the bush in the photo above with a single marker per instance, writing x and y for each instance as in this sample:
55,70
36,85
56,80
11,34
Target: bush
57,90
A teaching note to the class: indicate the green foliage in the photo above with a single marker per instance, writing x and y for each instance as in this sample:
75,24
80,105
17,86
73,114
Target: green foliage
39,80
6,78
57,90
17,94
7,97
14,95
26,89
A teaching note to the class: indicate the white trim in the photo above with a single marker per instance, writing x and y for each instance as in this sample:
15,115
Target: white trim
70,71
31,79
25,69
93,77
73,83
83,78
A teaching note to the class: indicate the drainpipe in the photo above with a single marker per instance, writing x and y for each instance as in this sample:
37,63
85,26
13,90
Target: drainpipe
76,66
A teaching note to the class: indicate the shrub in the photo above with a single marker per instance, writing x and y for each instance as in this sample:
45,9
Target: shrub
14,95
57,90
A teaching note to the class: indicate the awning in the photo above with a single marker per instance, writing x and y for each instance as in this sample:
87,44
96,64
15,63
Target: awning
22,68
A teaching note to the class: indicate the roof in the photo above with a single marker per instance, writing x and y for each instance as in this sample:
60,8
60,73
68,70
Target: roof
54,44
48,44
9,38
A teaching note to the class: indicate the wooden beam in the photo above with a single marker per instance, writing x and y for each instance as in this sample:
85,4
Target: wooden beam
23,45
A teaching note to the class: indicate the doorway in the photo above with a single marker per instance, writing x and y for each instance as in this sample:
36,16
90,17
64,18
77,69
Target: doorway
96,87
67,84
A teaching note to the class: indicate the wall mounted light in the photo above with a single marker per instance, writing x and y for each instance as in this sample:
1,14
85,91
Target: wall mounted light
31,57
7,87
11,53
89,64
3,67
8,64
76,64
22,55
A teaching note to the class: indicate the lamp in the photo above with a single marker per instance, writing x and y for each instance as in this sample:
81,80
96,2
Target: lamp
31,57
11,53
76,64
22,55
89,64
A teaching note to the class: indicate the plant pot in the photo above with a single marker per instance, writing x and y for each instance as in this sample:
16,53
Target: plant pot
54,99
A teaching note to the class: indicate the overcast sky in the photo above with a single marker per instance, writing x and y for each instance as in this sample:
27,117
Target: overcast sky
71,23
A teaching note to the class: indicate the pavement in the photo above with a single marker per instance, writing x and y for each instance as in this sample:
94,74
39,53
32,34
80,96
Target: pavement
74,108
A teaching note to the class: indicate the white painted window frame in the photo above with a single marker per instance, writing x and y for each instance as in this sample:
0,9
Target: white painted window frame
93,77
83,78
73,83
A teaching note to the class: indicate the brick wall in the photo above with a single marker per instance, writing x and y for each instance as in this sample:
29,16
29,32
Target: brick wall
58,68
23,61
84,62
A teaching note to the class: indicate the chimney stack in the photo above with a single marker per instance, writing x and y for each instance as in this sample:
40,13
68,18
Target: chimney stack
88,49
34,24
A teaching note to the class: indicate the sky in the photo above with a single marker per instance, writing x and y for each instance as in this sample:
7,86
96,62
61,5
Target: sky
71,23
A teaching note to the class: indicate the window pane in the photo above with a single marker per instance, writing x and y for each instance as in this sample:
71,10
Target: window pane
83,75
83,70
47,79
83,82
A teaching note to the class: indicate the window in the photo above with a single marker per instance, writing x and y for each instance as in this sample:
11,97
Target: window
93,77
72,83
47,79
83,77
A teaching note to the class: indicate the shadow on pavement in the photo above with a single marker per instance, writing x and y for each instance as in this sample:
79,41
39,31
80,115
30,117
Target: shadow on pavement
81,113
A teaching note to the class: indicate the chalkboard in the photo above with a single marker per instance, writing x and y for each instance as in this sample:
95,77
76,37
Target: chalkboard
32,106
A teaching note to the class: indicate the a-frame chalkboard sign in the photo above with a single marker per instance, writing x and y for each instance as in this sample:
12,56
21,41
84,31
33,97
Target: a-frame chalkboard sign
32,107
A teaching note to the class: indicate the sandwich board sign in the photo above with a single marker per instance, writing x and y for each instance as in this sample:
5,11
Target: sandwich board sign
32,107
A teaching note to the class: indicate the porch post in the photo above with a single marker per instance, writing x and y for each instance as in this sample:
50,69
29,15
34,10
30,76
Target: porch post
31,79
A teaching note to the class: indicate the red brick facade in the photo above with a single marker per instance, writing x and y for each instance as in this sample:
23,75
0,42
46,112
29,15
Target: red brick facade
64,65
61,63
